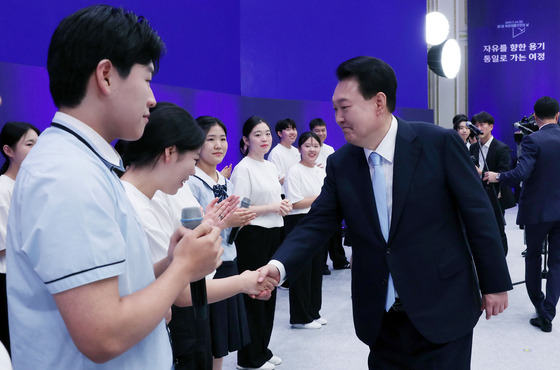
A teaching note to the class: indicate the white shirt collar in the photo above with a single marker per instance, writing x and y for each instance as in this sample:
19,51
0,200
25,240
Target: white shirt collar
207,179
386,147
487,145
103,148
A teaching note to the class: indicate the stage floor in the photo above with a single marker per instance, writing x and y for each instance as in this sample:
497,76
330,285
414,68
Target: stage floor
504,342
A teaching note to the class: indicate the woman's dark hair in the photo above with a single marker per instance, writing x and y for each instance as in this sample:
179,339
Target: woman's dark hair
169,125
12,132
248,126
90,35
458,119
305,136
207,122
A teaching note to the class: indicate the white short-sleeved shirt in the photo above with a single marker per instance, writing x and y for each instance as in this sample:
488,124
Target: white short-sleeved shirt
326,150
168,208
201,186
258,181
303,182
5,362
6,189
284,159
158,218
71,224
158,238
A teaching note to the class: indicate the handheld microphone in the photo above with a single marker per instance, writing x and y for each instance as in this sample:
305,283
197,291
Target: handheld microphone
519,126
191,217
245,203
474,129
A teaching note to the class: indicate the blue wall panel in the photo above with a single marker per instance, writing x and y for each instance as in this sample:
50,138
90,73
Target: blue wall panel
513,59
234,58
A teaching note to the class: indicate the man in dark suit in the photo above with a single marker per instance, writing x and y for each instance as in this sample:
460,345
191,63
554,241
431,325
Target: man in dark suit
430,185
539,207
498,159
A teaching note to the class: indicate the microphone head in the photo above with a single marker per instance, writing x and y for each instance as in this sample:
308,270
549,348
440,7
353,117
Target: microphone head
519,126
473,128
245,203
191,217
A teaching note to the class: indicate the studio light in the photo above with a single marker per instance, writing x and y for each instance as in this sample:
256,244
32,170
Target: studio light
445,59
437,28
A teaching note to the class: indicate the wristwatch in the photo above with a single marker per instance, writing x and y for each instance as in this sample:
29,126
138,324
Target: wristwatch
498,176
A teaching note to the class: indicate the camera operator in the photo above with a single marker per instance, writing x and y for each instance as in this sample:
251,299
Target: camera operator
539,207
494,156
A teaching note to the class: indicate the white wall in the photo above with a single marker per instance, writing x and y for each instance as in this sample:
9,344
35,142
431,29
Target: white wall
449,97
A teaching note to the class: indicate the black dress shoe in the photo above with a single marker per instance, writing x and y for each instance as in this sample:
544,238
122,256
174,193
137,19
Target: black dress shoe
342,267
542,323
326,270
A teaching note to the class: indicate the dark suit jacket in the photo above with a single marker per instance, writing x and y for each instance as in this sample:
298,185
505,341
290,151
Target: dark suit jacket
498,160
434,186
539,169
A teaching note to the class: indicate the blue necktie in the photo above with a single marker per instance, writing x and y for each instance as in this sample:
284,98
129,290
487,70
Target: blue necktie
380,194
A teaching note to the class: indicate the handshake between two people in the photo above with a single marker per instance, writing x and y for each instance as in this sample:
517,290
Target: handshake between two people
198,253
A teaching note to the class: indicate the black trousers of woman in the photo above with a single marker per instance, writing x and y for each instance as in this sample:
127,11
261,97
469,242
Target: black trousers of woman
4,332
306,289
255,246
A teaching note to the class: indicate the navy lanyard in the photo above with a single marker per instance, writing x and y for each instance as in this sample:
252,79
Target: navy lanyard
108,164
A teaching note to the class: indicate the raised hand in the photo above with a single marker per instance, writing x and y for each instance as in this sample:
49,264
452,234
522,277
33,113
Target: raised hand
226,171
241,217
220,213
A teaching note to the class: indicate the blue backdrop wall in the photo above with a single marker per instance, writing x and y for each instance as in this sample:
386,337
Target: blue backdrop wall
513,59
234,58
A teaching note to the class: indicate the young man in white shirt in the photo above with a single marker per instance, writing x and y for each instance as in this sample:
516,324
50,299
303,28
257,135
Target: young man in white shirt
335,248
284,155
79,268
319,127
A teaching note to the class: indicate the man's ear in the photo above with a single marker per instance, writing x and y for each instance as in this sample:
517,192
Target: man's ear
104,74
380,100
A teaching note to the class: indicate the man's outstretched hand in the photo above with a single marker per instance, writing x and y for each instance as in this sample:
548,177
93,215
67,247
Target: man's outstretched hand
265,272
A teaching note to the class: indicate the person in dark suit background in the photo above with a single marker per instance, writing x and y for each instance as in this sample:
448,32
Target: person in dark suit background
539,207
498,159
417,247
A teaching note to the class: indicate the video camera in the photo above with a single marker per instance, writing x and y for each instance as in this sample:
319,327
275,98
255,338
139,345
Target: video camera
527,125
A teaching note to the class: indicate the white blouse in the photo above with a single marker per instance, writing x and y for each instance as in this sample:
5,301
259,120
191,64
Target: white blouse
258,181
6,189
